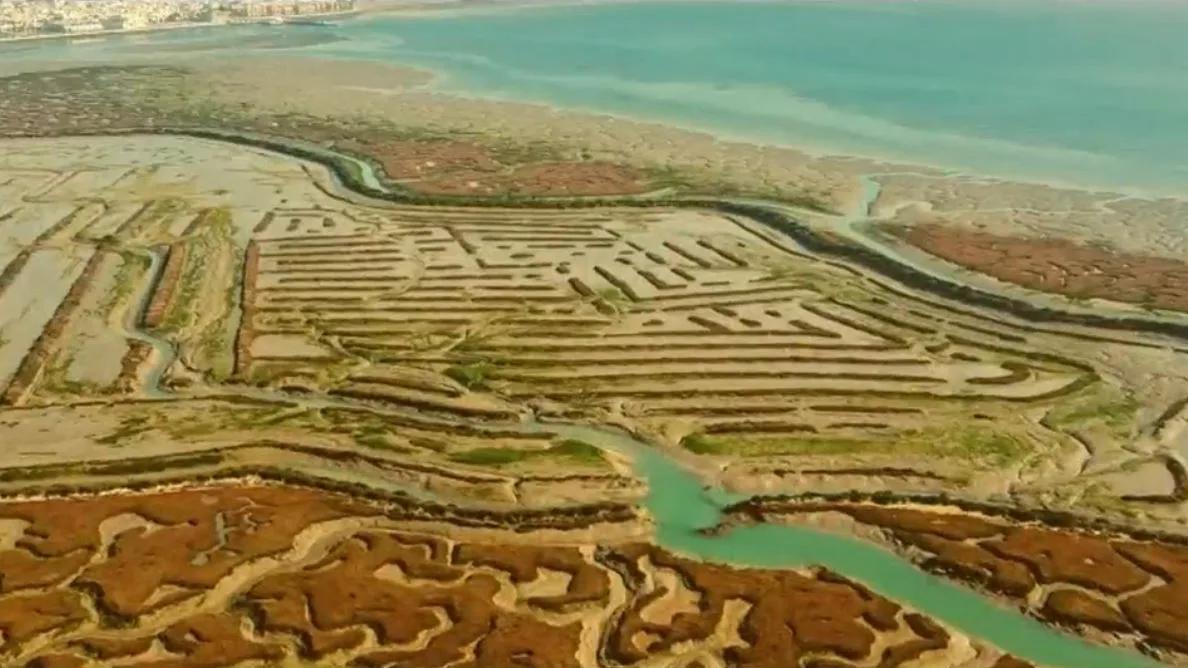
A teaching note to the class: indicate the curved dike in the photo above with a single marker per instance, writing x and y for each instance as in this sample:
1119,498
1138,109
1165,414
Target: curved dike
679,506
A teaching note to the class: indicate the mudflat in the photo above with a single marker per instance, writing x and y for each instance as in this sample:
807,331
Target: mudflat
317,352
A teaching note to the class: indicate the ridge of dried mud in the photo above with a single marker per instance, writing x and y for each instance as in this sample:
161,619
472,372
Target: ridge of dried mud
216,576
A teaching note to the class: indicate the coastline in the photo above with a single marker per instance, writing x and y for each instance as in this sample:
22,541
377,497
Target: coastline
958,165
323,85
330,86
439,83
159,28
396,7
337,87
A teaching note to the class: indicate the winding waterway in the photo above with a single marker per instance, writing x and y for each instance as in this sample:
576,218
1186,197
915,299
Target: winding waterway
166,351
680,505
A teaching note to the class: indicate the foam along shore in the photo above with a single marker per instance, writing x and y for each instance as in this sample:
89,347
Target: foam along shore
405,97
335,88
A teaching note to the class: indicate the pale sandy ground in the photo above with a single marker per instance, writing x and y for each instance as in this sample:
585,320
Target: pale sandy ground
358,89
315,542
399,94
253,183
29,303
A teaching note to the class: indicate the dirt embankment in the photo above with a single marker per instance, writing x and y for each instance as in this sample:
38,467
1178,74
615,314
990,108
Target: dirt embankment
245,333
1104,581
1059,266
43,347
128,381
326,580
832,247
166,286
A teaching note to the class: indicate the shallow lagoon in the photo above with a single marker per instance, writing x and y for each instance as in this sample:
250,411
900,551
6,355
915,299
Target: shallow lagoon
1090,93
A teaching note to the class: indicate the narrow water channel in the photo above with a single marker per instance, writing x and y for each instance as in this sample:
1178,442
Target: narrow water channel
166,352
679,505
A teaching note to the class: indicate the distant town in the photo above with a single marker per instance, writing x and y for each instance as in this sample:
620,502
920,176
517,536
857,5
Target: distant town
49,18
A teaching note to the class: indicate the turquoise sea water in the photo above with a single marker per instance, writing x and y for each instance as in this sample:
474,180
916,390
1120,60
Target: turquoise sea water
1093,93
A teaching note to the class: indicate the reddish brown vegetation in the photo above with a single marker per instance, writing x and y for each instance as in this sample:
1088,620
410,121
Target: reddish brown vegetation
1012,662
972,563
792,615
589,584
577,178
89,569
420,159
1072,607
447,167
1013,560
24,617
58,661
1160,611
64,534
559,179
1076,559
1058,265
343,592
128,380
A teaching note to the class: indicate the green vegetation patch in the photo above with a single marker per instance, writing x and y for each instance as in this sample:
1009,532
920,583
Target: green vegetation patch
215,236
967,442
130,427
213,347
472,376
573,450
127,277
378,437
1115,411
